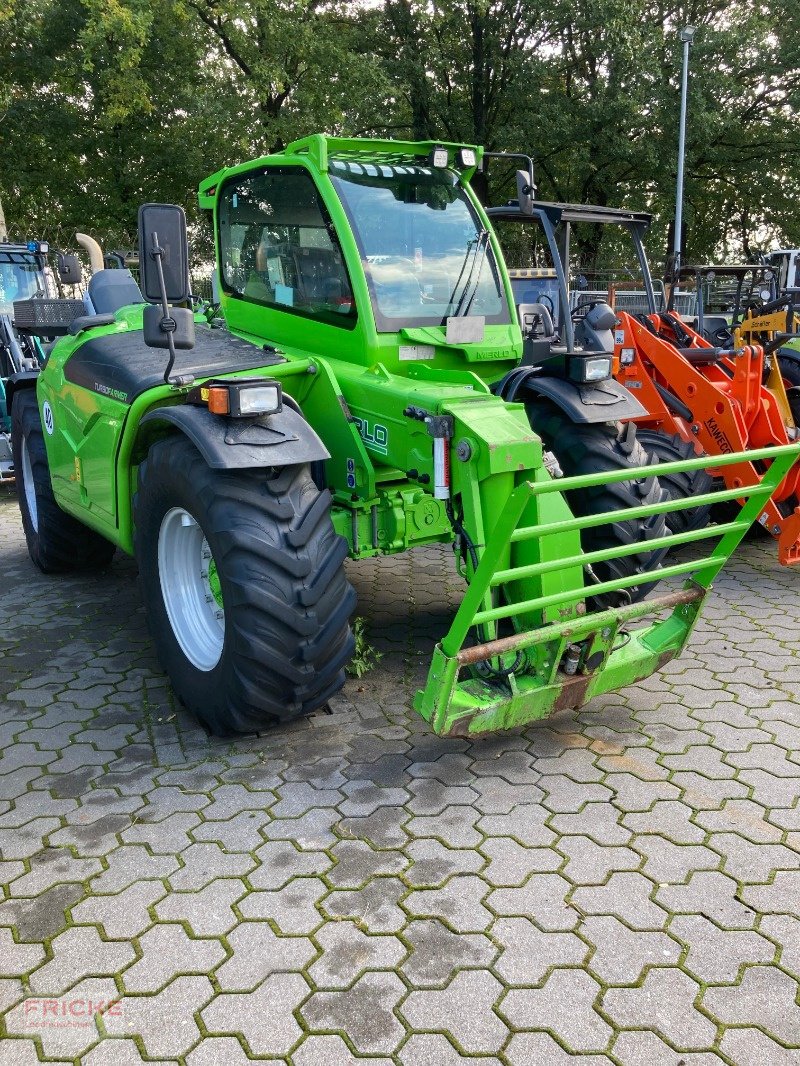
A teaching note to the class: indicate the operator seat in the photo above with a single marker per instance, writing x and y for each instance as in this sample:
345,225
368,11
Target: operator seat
594,332
109,290
538,332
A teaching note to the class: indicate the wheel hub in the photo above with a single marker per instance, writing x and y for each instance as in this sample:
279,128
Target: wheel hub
30,488
191,589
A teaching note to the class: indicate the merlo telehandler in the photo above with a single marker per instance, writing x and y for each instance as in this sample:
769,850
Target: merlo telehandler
357,404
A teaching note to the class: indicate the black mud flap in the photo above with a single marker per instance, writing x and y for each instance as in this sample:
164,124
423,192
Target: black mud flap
603,401
24,379
281,439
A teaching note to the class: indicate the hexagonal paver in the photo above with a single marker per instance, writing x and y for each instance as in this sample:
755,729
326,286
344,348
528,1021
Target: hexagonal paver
165,1021
528,953
764,996
365,1012
564,1006
459,903
118,1051
347,952
620,954
751,1045
166,950
437,952
258,953
664,1002
33,1017
715,955
627,896
543,897
422,1049
264,1017
79,952
208,911
463,1009
711,894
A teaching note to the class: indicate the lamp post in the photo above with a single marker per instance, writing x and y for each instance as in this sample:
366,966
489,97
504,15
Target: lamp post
686,35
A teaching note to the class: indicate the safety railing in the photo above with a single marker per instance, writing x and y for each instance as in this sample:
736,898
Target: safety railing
702,571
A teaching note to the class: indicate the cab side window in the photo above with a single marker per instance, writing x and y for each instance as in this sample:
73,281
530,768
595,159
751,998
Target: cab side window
278,246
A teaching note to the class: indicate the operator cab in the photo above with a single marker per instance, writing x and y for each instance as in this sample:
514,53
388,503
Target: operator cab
424,254
22,275
570,332
713,298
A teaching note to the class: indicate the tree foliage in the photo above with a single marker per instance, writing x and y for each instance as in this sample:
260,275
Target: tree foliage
107,103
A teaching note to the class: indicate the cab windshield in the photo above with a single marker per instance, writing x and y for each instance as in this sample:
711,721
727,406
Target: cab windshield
425,254
20,279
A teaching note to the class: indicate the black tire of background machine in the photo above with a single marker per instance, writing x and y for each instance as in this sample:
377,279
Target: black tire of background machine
671,449
605,448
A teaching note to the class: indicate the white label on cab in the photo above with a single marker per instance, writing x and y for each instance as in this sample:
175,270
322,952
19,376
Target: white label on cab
417,351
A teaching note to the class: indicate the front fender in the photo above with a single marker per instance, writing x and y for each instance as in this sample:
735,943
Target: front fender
606,401
24,379
282,439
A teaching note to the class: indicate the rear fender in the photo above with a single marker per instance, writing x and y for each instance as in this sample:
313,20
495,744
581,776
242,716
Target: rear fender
282,439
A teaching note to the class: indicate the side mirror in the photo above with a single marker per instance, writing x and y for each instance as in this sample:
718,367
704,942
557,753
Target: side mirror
525,192
69,269
163,254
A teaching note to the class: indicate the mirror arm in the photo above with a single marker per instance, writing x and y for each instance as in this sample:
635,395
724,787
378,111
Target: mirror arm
167,324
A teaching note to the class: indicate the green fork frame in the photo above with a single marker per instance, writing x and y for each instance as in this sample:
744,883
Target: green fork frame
520,678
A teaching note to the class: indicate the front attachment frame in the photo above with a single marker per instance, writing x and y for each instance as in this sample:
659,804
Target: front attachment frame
543,668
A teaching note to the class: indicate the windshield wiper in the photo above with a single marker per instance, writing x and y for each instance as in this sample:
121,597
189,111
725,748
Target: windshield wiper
484,237
478,248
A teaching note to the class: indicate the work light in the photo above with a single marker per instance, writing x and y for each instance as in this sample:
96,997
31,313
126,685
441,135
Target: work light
243,399
586,368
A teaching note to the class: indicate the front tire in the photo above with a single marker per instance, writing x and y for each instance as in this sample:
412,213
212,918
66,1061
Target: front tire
593,449
57,542
243,586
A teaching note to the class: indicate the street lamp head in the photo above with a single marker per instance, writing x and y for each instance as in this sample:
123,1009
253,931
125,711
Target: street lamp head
687,34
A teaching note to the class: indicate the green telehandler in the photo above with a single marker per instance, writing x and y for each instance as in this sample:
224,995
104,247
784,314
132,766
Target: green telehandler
354,406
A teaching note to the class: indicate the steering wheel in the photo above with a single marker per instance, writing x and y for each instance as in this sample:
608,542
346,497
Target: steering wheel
546,299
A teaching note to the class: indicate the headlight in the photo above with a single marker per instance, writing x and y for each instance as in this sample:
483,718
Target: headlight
466,158
627,356
584,368
260,400
240,399
438,157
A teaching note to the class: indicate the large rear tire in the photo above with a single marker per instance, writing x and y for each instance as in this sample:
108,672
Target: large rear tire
605,448
56,541
789,363
672,449
244,588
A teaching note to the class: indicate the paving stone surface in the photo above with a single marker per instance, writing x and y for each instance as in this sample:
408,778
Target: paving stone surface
619,885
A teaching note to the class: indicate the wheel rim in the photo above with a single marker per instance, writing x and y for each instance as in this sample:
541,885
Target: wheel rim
29,487
191,589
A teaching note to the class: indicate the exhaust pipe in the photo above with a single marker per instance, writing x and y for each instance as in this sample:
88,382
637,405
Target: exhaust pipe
96,260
